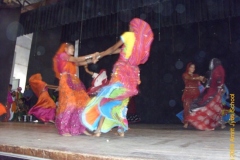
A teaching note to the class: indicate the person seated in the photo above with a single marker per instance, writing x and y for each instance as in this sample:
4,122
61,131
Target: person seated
22,110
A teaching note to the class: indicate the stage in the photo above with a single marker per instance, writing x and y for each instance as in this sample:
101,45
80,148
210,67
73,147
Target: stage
142,141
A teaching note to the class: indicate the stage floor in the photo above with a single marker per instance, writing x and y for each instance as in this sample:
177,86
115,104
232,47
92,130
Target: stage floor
142,141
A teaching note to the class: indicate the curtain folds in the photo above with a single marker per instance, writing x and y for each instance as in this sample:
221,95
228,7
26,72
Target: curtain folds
109,17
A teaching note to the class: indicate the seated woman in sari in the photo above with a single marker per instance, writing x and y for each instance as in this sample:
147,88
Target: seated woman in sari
109,108
206,110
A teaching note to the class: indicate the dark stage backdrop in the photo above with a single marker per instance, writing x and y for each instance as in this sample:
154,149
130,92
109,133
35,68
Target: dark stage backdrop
44,47
160,94
8,32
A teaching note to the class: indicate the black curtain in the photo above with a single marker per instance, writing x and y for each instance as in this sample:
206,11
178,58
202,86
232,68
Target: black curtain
9,18
107,17
44,47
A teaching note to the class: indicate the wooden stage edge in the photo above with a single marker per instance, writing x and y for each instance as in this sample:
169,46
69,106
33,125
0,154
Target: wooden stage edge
52,154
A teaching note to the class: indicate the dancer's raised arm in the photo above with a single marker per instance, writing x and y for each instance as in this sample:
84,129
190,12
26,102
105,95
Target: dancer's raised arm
51,86
87,70
81,60
84,60
112,50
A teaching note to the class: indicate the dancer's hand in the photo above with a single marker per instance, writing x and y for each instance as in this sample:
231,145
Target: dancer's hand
204,80
220,89
201,78
56,90
95,57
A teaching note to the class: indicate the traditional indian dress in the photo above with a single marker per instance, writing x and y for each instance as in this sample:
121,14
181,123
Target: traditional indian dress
45,108
13,109
112,100
2,109
191,91
19,93
72,95
99,80
206,110
180,114
9,105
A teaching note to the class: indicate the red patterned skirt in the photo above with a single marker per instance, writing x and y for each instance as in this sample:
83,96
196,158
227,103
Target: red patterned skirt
208,116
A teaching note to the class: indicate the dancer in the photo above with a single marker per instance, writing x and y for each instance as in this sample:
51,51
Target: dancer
72,95
2,109
191,90
226,112
45,108
206,110
108,108
99,80
180,114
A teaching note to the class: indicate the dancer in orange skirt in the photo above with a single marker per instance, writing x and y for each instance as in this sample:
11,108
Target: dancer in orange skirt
72,95
2,109
45,108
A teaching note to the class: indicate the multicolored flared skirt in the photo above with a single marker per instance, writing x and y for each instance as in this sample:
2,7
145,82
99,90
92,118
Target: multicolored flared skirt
105,104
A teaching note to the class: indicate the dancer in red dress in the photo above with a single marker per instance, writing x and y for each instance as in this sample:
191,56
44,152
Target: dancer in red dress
191,90
207,109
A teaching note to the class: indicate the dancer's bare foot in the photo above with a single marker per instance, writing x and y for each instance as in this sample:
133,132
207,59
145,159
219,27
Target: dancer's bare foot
185,125
223,126
97,133
120,134
51,121
87,133
67,135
